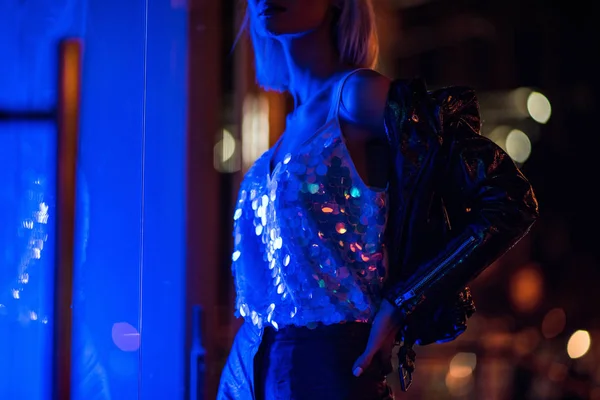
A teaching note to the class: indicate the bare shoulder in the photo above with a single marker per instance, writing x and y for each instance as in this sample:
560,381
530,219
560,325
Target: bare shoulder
364,98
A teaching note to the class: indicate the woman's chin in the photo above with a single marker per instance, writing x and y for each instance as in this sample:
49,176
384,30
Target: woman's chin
274,26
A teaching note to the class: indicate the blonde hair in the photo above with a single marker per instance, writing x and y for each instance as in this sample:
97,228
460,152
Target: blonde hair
355,35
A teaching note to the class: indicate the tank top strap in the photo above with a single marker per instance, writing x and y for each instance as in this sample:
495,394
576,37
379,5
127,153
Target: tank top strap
336,100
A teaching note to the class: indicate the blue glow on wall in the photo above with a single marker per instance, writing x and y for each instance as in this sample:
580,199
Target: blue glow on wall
128,339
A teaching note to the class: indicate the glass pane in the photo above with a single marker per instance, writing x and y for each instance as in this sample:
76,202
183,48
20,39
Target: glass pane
29,31
27,192
107,285
129,279
163,202
128,297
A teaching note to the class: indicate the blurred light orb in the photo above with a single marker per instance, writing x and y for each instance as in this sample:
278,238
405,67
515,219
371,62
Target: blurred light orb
539,107
462,365
554,323
498,135
224,152
579,344
526,341
557,372
459,387
526,288
518,145
125,336
228,143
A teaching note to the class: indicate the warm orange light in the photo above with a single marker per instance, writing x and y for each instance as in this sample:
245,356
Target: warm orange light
527,288
554,323
579,344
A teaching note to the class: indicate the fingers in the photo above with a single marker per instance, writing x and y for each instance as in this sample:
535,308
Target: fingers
383,331
375,342
361,364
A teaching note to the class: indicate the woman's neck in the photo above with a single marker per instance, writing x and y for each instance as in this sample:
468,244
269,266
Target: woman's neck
312,61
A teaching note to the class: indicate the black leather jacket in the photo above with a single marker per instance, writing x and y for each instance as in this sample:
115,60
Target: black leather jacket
459,203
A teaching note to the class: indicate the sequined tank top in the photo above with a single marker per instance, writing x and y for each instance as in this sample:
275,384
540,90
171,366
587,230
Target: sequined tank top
308,236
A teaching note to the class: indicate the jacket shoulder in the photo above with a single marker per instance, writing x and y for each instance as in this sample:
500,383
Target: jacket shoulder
454,106
458,107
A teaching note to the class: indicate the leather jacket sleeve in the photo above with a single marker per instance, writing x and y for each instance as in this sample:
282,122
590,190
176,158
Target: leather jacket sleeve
497,201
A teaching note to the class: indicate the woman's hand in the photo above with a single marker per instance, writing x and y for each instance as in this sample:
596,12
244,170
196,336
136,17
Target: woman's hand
385,327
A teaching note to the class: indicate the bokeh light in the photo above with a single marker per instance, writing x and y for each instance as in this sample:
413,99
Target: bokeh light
462,365
539,107
554,323
125,336
526,289
518,145
579,344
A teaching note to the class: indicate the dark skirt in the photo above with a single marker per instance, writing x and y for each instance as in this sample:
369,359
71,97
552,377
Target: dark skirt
297,363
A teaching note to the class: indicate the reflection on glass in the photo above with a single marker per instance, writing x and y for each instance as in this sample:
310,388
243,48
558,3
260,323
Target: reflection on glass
27,191
89,376
128,295
29,33
26,259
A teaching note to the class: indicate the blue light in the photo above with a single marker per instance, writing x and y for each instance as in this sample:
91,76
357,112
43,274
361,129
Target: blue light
129,281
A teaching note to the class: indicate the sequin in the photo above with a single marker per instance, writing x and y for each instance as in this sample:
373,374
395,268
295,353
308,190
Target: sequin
321,169
238,213
308,245
280,288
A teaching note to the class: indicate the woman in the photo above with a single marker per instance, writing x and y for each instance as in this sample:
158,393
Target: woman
365,220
